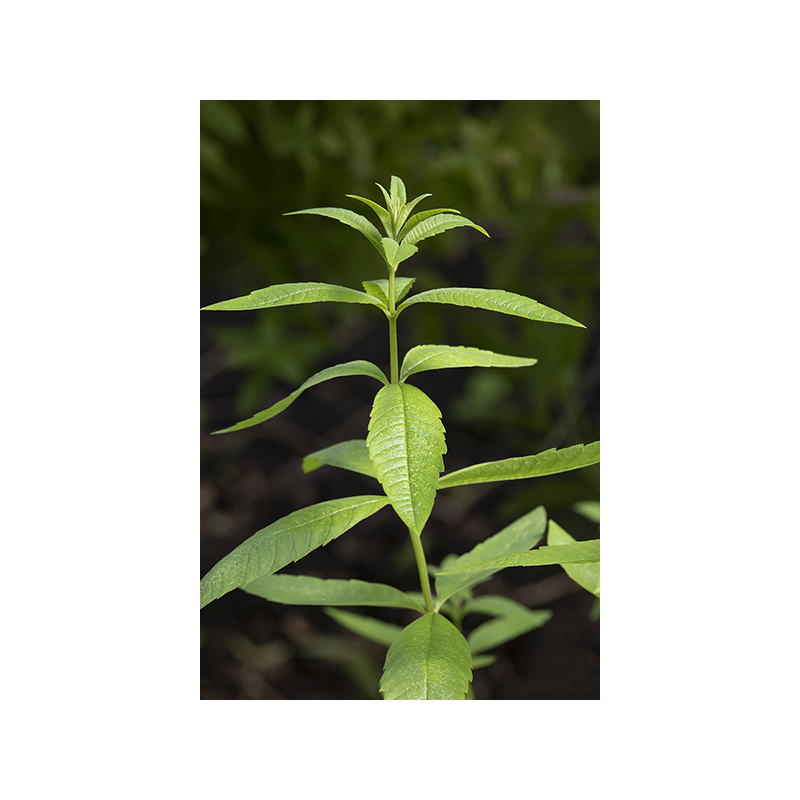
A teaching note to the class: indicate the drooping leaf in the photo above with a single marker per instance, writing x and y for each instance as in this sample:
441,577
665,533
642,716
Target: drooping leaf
395,253
438,356
585,575
375,630
549,462
492,300
429,660
512,619
417,218
285,541
383,214
518,537
543,556
347,217
380,289
352,455
431,226
303,590
406,443
291,294
339,371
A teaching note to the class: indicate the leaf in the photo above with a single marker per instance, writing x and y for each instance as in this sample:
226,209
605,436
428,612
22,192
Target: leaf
395,253
398,193
383,214
407,209
589,509
550,462
380,289
436,224
339,371
512,619
406,443
543,556
370,628
492,300
285,541
347,217
438,356
518,537
352,455
585,575
417,218
303,590
429,660
292,294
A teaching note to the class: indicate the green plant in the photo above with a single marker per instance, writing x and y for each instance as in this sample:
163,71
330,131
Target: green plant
430,658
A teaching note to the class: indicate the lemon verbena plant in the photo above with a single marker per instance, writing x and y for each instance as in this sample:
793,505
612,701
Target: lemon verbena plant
431,658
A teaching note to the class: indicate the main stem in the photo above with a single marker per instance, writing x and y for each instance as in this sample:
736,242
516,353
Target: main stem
422,566
394,374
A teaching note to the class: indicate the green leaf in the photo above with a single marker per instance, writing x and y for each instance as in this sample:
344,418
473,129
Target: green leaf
585,575
417,218
380,289
292,294
370,628
492,300
285,541
347,217
407,209
303,590
429,660
543,556
383,214
438,224
512,619
438,356
339,371
352,455
589,509
395,253
406,443
398,193
518,537
549,462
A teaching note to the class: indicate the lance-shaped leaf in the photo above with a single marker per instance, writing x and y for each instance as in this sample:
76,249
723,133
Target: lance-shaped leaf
292,294
549,462
303,590
375,630
518,537
398,193
438,224
383,214
492,300
511,619
577,552
417,218
429,660
406,443
352,455
344,215
585,575
285,541
380,289
339,371
438,356
395,253
408,208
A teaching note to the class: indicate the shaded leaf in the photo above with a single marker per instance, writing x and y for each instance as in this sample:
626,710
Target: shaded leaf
585,575
512,619
406,443
303,590
285,541
291,294
347,217
549,462
438,356
352,455
492,300
375,630
439,223
520,536
589,509
349,369
429,660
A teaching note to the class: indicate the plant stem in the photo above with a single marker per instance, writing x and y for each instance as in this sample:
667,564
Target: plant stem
394,375
422,566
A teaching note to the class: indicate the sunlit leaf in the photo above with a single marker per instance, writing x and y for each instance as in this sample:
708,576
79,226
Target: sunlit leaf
585,575
407,209
406,442
285,541
347,217
549,462
352,455
394,253
429,660
437,356
291,294
339,371
417,218
383,214
431,226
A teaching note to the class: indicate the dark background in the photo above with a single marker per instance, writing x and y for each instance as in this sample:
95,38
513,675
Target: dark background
529,173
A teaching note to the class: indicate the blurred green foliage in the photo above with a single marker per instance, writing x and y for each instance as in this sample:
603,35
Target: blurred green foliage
527,171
